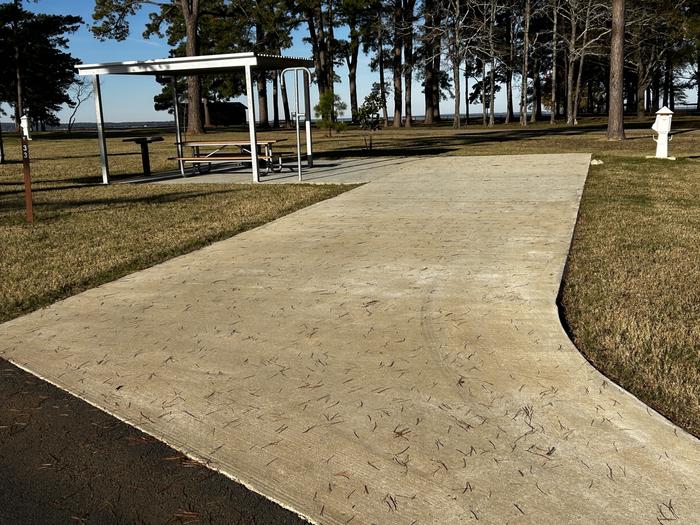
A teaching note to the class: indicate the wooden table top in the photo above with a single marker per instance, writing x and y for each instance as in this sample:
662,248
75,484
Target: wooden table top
229,142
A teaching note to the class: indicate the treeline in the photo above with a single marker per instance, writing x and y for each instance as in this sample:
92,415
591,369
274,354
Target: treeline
464,50
461,50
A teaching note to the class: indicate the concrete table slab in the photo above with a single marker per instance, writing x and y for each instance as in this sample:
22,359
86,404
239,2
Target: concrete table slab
392,355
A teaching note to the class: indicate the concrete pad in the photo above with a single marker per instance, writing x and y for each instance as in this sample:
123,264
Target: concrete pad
392,355
325,171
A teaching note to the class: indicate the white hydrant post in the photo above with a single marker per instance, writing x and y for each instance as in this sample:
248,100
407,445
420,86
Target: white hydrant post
662,126
24,126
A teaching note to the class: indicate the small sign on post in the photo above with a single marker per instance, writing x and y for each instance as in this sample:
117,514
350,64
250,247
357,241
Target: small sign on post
662,126
27,170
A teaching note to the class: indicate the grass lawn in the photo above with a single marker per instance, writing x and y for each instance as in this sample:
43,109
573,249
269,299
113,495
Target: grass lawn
86,235
631,294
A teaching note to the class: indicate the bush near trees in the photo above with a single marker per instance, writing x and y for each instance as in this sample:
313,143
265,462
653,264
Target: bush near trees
368,114
329,108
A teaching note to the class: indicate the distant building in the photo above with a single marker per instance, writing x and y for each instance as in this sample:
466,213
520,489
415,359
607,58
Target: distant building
226,113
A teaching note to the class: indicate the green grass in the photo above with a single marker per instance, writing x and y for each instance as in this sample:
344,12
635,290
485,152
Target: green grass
631,292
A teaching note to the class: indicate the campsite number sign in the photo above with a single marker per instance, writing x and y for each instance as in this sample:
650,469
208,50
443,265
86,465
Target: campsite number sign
27,179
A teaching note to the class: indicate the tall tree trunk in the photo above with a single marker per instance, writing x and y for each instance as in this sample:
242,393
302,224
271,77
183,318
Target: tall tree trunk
275,99
352,81
428,71
2,147
526,53
577,94
655,92
436,91
537,92
641,87
483,93
396,63
466,96
285,104
319,36
555,40
190,11
668,79
19,109
382,81
261,85
510,113
408,13
570,70
492,72
456,119
697,77
616,121
631,91
584,36
351,60
571,67
207,114
650,104
330,24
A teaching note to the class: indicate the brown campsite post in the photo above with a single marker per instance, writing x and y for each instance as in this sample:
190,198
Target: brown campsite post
27,179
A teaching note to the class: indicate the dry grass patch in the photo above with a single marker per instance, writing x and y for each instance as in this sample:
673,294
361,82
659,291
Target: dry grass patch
631,292
85,236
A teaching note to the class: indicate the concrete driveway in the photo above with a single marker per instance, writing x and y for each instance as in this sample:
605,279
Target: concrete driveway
392,355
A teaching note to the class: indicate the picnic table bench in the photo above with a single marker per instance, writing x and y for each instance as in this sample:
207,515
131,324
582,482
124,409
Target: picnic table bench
216,153
144,142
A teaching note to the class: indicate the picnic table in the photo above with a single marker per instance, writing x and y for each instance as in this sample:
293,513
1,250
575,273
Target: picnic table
215,151
144,142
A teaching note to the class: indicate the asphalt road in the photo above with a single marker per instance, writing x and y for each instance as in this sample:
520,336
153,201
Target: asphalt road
64,461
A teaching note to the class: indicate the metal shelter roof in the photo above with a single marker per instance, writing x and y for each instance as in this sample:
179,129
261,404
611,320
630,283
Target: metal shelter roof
197,65
201,65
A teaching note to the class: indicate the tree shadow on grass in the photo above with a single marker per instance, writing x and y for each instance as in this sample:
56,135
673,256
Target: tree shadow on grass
18,188
91,205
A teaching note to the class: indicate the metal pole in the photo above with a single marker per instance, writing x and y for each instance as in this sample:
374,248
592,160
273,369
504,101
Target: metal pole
2,147
27,180
251,123
296,119
307,99
100,128
178,131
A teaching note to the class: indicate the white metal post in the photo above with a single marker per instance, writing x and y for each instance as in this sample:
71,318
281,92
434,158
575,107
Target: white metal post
100,128
296,120
307,98
251,123
178,131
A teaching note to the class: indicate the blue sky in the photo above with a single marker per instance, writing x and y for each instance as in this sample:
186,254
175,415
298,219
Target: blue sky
130,98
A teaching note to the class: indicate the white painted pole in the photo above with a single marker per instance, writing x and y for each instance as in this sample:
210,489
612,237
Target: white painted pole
307,99
100,128
296,118
251,123
178,131
662,146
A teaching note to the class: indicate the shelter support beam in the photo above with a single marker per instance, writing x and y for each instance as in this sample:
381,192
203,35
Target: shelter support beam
307,100
178,129
251,123
104,161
